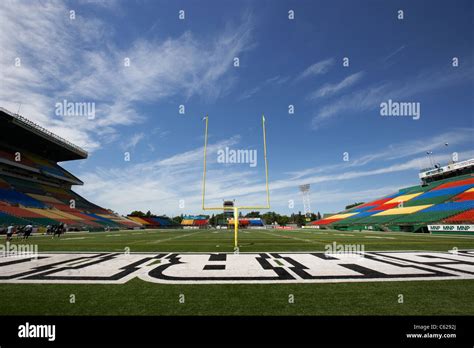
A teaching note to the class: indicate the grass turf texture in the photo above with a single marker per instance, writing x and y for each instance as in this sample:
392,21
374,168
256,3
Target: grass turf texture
141,298
249,241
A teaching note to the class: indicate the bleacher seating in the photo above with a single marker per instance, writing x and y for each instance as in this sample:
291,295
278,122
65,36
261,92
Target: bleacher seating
464,217
465,196
16,197
245,222
153,222
464,182
34,189
34,163
195,221
28,202
450,200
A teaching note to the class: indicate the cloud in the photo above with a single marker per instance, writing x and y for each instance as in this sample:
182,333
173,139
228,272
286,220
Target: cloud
331,89
268,83
415,147
78,60
370,97
318,68
188,157
398,50
249,93
133,141
160,183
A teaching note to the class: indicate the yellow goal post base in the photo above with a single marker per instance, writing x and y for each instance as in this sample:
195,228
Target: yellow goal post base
236,208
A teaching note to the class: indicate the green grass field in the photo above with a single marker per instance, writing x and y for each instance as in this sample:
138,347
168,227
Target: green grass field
137,297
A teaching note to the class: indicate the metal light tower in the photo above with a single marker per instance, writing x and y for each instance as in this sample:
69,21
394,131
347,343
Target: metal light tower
304,189
430,157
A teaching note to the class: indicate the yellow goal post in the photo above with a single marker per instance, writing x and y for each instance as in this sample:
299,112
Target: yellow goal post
235,208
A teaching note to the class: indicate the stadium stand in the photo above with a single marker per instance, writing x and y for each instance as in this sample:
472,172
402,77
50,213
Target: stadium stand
464,217
198,221
465,196
247,222
34,189
154,222
448,200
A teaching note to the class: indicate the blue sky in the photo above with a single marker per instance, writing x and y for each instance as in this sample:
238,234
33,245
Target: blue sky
282,62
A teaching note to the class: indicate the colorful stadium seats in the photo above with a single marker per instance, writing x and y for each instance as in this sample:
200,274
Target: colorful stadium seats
27,202
403,198
402,211
376,202
16,197
450,191
465,196
6,219
465,182
151,222
464,217
449,200
195,221
384,206
450,206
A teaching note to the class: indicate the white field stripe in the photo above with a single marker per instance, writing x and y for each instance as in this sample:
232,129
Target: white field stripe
295,238
172,238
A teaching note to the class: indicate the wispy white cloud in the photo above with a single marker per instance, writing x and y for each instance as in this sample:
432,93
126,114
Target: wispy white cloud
456,138
77,60
395,52
249,93
318,68
133,141
370,97
269,83
333,88
161,183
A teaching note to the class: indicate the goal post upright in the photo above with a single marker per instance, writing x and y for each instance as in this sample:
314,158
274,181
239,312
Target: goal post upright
235,208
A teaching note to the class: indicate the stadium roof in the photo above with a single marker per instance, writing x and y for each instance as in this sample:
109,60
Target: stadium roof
21,132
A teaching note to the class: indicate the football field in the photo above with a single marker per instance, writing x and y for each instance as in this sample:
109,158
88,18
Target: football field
277,272
268,240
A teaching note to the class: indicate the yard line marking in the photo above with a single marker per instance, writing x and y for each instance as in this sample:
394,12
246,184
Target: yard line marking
296,238
172,238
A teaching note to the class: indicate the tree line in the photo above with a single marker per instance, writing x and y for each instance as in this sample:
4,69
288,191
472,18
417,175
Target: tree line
269,218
